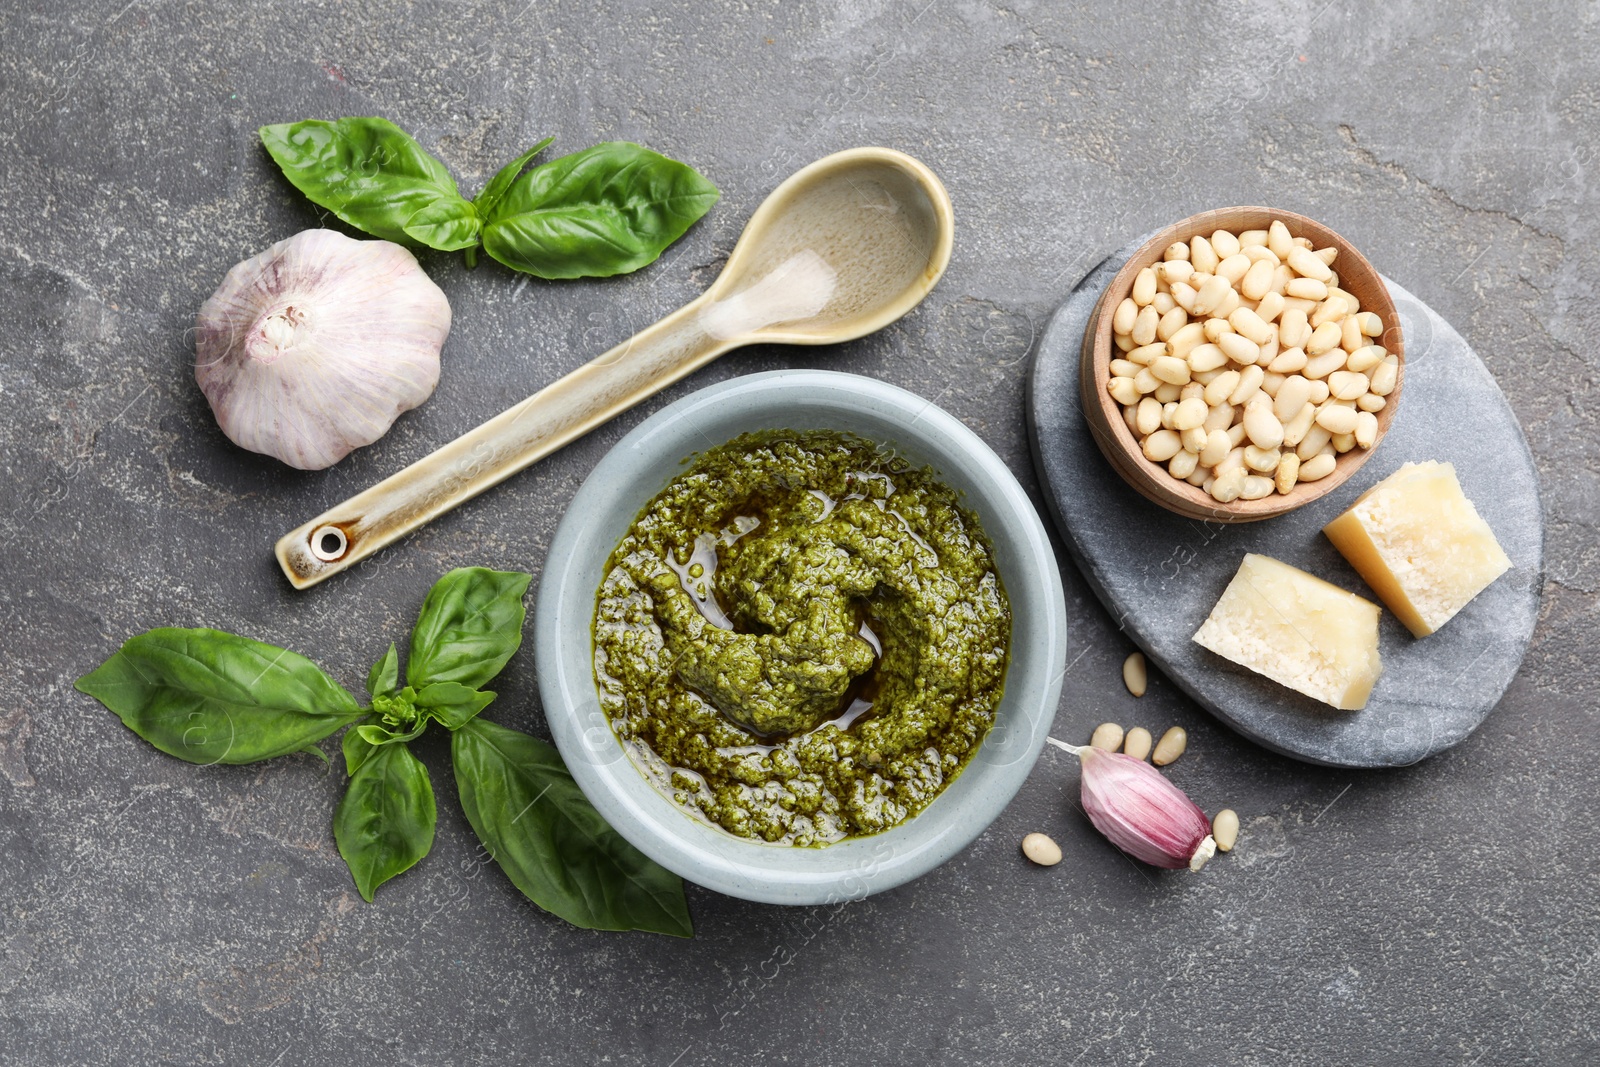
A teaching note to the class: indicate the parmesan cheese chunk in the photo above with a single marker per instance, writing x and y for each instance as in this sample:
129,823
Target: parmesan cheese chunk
1298,630
1420,544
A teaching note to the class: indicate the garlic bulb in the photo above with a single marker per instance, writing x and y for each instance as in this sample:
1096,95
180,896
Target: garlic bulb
317,345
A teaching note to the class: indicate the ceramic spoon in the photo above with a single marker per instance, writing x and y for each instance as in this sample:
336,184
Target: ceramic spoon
844,247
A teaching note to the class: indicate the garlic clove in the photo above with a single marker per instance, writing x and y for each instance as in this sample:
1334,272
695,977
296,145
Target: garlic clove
1140,811
315,346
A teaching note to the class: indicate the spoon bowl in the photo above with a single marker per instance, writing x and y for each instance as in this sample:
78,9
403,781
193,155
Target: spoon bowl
842,248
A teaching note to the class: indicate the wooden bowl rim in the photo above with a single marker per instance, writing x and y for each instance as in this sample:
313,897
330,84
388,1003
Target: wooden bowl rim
1111,432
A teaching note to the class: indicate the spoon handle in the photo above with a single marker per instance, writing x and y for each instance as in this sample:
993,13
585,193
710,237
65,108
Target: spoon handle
566,409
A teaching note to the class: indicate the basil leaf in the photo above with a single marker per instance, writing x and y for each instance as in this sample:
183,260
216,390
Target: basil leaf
357,750
212,697
552,844
448,225
469,626
453,704
384,824
376,735
384,677
606,210
491,194
368,171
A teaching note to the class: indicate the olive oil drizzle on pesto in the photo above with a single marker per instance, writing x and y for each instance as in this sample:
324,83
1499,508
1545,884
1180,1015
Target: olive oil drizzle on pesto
801,639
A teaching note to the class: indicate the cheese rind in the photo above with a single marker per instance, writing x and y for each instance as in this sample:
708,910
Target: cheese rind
1420,545
1298,630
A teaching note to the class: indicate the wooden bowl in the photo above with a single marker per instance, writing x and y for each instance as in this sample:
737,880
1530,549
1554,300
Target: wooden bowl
1104,414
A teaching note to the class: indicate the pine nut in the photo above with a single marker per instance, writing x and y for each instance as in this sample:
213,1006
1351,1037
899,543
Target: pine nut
1371,402
1262,427
1320,365
1371,324
1171,746
1176,250
1161,445
1328,255
1299,424
1247,323
1207,357
1256,487
1184,463
1225,243
1135,677
1163,302
1168,410
1365,358
1170,323
1307,264
1291,397
1186,340
1249,383
1386,375
1149,416
1343,442
1145,354
1122,390
1130,415
1221,386
1183,296
1221,416
1230,302
1288,472
1127,311
1107,736
1306,289
1170,369
1202,255
1123,342
1210,295
1270,306
1239,348
1144,325
1261,459
1173,271
1332,312
1312,443
1192,412
1317,467
1144,287
1347,385
1307,306
1228,485
1289,361
1234,268
1270,383
1146,382
1349,298
1366,429
1043,851
1336,420
1253,239
1138,741
1350,334
1167,392
1215,328
1217,446
1124,368
1234,460
1294,328
1319,390
1225,829
1278,239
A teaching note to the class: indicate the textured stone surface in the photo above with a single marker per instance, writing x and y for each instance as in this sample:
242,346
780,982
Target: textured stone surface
1160,574
155,912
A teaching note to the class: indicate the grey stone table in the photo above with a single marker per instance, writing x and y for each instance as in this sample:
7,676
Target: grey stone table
153,912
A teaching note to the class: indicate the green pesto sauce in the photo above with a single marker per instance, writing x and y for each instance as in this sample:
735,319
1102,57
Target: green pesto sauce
802,638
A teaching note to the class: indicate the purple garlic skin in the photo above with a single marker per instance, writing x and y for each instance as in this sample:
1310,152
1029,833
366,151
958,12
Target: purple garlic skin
315,346
1142,813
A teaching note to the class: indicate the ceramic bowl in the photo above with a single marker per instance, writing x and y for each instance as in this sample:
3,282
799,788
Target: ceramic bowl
1104,415
640,466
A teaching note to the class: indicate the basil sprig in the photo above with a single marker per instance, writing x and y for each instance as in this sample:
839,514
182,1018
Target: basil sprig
212,697
609,209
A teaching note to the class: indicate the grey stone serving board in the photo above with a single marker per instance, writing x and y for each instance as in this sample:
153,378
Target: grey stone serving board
1159,574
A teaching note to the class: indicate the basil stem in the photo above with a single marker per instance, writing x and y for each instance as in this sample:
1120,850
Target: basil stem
211,697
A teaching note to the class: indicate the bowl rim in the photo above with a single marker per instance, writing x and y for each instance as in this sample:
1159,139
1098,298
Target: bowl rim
638,467
1104,416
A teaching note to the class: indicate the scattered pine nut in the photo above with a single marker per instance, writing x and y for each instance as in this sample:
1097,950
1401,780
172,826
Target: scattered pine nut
1137,743
1135,675
1107,736
1041,850
1171,746
1225,829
